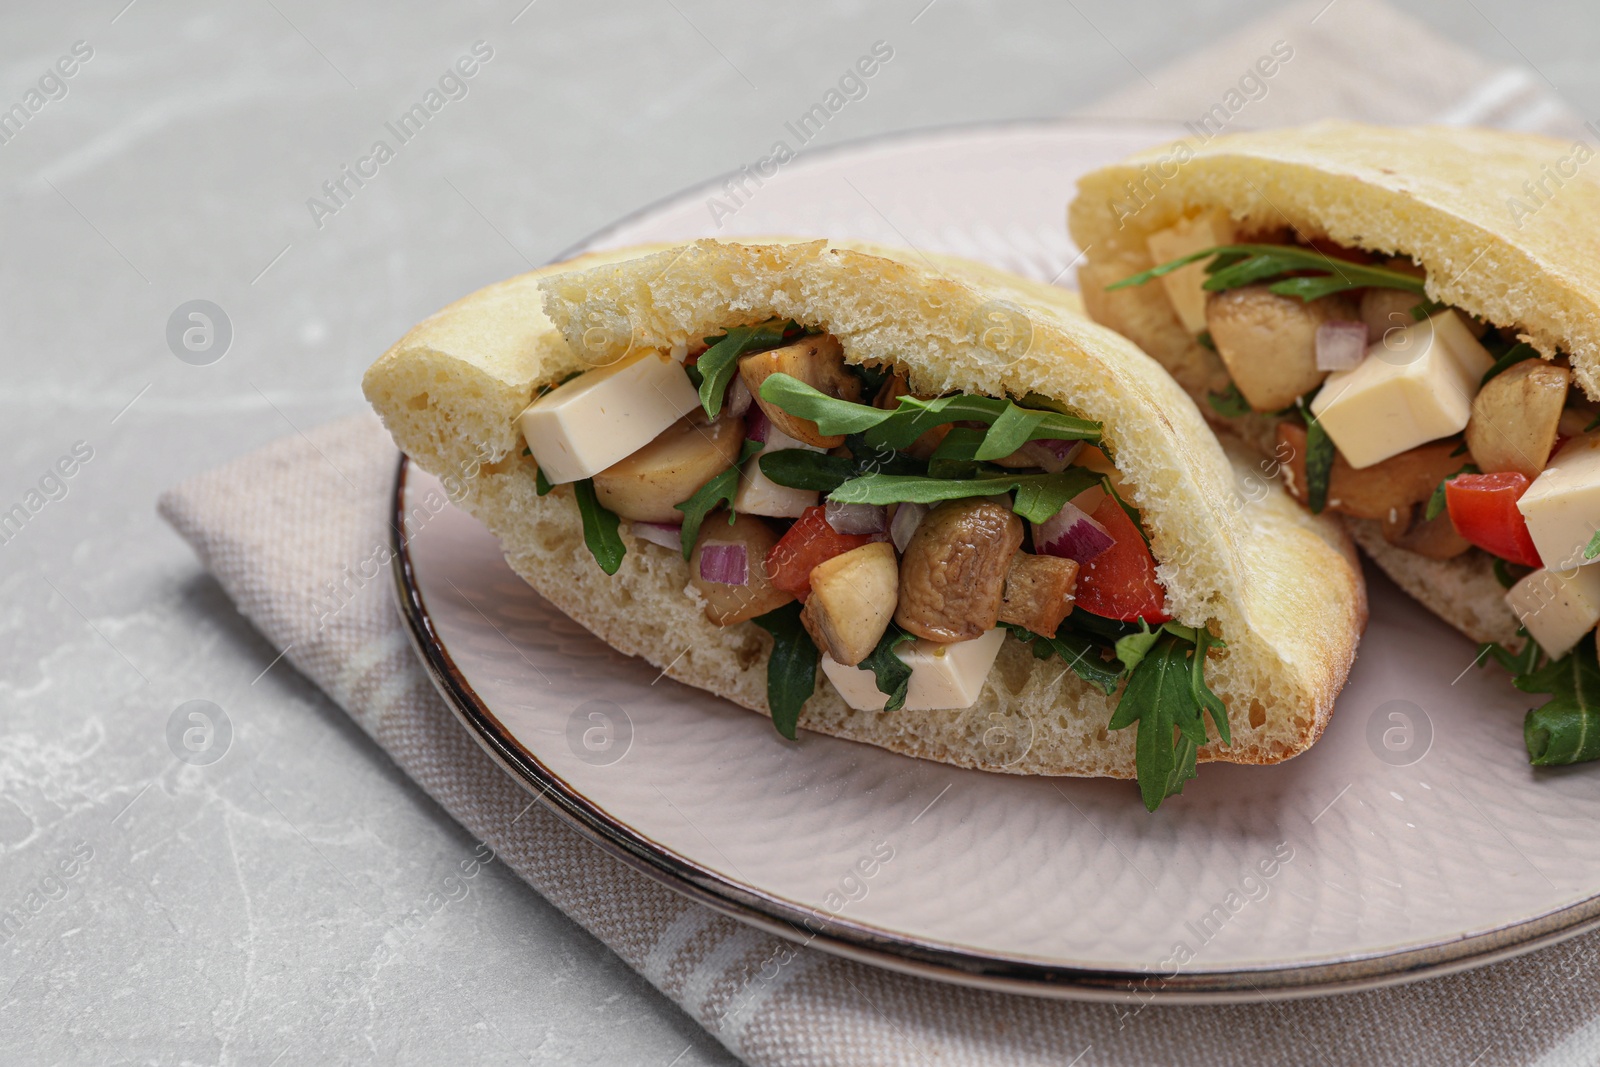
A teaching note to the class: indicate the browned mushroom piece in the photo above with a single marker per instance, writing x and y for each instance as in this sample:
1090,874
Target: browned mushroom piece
1269,342
1516,416
1038,592
852,597
953,572
1434,538
819,362
1374,492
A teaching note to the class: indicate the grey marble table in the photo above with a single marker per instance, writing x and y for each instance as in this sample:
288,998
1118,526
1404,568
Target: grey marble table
157,911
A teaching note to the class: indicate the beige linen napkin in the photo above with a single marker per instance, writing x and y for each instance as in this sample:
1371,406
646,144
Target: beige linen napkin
274,526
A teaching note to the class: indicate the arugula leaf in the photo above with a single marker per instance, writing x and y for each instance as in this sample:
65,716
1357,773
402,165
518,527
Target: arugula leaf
1203,339
1083,655
801,468
718,364
892,674
1039,496
599,528
792,667
1567,728
1593,548
1512,356
1320,453
541,484
1502,574
718,491
1230,403
1167,691
1436,502
1234,266
1010,425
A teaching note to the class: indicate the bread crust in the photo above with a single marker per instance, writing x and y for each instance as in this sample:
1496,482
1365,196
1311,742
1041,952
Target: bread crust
1282,586
1440,195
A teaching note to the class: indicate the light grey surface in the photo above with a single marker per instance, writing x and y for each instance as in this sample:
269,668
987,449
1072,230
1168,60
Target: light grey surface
239,911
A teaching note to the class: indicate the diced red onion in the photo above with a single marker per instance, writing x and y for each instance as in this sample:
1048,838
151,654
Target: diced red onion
724,562
1341,344
757,424
1060,453
659,533
907,517
1071,534
739,398
857,518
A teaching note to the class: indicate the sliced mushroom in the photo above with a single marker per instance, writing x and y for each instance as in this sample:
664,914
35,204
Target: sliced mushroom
1435,538
644,486
1269,342
819,362
1515,417
727,604
953,574
853,597
1373,492
1038,592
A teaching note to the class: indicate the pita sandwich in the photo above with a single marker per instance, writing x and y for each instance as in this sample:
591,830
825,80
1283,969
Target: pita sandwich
1409,319
1005,535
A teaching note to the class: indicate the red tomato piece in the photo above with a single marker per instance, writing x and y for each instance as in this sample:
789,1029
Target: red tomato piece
1483,509
810,541
1120,583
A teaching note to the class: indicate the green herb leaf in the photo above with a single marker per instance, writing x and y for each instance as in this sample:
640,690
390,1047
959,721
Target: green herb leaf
1502,574
1319,455
1437,501
718,364
541,484
1230,403
792,667
1083,655
1593,548
716,492
1513,355
1234,266
1157,698
891,673
831,414
1203,339
599,528
800,468
1039,496
1010,425
1567,728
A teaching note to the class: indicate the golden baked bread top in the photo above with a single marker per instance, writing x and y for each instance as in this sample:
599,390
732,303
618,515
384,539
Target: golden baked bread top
1507,225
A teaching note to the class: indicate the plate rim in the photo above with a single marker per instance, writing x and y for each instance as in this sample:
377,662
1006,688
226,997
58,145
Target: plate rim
902,952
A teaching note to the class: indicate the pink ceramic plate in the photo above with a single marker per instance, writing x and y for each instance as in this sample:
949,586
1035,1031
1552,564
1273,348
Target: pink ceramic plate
1413,839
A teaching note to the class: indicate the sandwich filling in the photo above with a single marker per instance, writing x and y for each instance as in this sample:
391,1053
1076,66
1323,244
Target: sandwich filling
896,541
1448,430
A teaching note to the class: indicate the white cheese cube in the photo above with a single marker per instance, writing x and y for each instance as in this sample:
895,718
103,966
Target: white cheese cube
1412,387
1184,285
760,495
942,676
579,429
1562,506
1557,607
